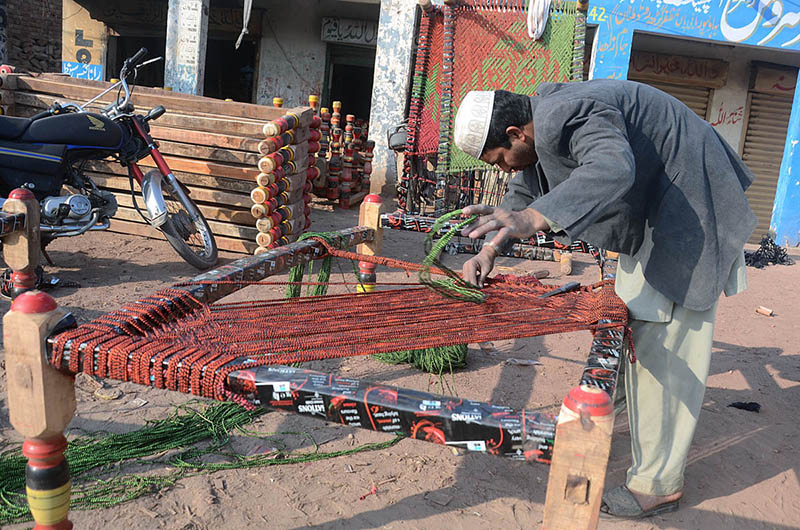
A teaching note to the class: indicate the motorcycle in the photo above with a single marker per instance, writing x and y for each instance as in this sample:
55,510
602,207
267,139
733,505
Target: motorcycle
48,151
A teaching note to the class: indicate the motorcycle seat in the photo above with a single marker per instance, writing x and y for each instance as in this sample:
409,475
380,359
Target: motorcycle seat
12,128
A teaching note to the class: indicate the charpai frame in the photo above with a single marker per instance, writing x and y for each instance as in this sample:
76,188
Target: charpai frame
42,402
476,45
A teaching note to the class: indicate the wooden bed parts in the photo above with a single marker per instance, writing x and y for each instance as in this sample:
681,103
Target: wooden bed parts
347,156
212,146
287,167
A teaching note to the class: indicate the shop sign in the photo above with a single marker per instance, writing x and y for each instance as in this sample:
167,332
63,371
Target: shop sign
349,31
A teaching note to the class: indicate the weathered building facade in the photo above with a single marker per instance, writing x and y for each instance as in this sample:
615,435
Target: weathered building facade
292,48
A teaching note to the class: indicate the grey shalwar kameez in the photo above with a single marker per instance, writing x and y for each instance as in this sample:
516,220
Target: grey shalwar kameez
630,169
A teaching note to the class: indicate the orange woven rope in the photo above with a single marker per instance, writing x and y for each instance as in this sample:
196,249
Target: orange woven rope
173,341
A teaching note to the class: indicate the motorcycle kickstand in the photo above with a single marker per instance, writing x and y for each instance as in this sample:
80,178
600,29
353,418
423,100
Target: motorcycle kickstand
47,257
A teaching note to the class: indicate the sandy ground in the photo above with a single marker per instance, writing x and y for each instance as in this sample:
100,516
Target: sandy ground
742,471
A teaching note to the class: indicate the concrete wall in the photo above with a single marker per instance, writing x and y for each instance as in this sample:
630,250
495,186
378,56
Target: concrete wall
292,54
84,42
390,85
34,35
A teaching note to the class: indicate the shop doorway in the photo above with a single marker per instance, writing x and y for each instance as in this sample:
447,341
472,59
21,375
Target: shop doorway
349,78
230,73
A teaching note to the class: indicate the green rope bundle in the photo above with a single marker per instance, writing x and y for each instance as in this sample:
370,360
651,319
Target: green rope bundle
453,286
211,425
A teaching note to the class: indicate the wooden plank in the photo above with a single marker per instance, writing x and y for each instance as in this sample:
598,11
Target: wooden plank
370,216
209,124
150,97
217,198
202,167
222,141
44,100
578,469
353,199
189,179
41,400
195,121
202,152
211,213
217,228
140,229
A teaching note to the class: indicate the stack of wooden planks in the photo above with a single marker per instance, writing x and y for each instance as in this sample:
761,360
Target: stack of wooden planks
281,201
212,147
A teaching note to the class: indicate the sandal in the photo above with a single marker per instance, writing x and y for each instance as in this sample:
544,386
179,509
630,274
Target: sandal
620,503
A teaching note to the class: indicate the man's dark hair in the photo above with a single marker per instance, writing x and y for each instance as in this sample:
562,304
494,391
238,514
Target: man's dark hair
509,110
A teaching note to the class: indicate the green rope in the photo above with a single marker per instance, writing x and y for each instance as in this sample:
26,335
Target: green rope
453,286
89,457
438,359
431,360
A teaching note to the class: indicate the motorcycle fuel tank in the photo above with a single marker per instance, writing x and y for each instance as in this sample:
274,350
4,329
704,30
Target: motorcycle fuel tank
75,129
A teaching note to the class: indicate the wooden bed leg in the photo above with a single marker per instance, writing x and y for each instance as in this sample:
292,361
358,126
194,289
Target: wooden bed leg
370,216
566,263
580,458
41,402
21,249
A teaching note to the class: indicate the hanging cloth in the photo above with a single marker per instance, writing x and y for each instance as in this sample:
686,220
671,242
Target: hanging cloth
248,7
538,11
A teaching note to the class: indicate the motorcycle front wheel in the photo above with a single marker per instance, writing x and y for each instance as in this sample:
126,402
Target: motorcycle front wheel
187,230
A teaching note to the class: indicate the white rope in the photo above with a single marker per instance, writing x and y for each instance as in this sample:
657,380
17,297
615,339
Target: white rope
538,11
248,7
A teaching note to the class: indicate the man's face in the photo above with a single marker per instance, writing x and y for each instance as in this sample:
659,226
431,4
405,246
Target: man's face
519,156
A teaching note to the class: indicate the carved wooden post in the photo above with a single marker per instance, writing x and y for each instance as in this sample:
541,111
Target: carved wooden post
580,458
21,249
41,400
370,216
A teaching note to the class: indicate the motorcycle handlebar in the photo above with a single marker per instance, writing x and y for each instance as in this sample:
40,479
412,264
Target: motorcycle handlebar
136,57
55,108
43,114
155,113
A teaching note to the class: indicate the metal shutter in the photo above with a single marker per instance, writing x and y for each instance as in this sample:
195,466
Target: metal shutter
763,151
694,97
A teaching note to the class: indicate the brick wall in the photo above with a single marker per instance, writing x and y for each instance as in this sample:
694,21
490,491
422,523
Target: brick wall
34,35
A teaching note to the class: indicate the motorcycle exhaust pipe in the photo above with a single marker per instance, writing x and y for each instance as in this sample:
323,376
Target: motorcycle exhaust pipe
69,231
154,198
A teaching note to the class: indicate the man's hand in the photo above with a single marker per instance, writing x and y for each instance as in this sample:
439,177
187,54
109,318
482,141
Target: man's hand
476,269
509,225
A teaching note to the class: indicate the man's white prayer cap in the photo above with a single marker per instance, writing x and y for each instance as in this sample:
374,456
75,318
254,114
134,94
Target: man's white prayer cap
472,122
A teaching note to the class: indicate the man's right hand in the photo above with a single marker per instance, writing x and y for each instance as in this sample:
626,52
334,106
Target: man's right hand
476,269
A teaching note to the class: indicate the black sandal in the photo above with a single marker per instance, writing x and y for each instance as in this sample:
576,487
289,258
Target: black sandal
620,503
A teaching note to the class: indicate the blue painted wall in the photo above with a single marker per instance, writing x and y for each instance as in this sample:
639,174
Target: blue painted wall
762,23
